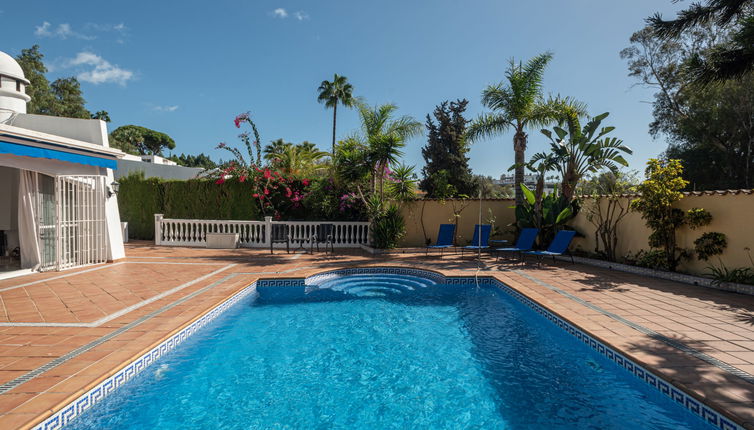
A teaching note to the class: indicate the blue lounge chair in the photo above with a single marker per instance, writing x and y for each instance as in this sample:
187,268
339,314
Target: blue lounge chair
559,246
525,242
481,238
444,238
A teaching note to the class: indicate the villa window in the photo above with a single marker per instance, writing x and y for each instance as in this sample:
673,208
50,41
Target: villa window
18,86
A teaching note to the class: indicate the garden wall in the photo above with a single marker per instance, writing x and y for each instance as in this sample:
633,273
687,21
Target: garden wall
732,214
435,212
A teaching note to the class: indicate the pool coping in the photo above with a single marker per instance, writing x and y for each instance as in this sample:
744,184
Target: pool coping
74,405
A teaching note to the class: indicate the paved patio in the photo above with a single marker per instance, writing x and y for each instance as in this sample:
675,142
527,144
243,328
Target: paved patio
63,332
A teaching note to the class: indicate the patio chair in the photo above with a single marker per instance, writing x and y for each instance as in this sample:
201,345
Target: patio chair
280,234
525,242
559,246
322,234
481,238
444,238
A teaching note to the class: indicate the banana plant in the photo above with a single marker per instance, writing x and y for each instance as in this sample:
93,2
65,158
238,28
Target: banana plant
549,215
580,151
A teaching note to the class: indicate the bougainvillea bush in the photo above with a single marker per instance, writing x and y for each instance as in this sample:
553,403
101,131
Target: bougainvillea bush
280,194
277,195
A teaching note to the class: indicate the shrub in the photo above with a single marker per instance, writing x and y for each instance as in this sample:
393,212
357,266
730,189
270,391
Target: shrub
659,192
652,259
709,244
698,217
139,199
739,275
388,228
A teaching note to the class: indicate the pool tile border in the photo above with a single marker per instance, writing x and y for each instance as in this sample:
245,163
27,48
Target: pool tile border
685,400
109,385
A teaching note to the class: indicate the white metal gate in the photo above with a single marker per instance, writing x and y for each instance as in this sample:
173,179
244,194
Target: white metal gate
80,227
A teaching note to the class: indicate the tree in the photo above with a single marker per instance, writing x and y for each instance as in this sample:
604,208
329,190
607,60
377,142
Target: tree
445,152
61,98
275,149
31,62
331,93
303,159
384,138
69,99
102,115
709,127
489,189
607,208
517,104
140,140
728,59
659,191
189,160
579,151
363,162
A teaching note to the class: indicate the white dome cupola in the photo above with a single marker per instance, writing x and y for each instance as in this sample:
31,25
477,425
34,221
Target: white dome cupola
13,97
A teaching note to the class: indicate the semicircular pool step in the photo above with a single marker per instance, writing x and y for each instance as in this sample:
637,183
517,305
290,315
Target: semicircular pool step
373,285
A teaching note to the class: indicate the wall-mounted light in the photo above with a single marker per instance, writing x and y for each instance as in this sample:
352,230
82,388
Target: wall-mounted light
113,189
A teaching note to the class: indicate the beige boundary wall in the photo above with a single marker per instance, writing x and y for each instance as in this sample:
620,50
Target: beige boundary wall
732,214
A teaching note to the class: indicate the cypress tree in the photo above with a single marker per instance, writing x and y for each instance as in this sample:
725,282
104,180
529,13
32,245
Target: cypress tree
447,172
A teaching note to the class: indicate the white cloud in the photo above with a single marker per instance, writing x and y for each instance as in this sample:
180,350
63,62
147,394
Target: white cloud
301,15
102,71
62,31
117,28
172,108
280,13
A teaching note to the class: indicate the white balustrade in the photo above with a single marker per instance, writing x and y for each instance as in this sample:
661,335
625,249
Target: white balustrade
253,234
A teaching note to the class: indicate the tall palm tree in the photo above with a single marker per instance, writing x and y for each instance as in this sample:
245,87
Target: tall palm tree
384,137
339,91
518,104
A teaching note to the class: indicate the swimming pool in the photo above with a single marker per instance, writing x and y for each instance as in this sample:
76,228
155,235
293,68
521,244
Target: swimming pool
385,350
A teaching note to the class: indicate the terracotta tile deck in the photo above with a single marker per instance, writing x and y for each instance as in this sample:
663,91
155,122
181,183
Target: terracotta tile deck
702,340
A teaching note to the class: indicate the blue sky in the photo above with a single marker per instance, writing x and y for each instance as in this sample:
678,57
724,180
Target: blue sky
187,68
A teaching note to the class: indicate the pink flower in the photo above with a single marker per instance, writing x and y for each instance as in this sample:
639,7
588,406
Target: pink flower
266,191
305,182
240,118
255,195
288,192
220,181
267,174
242,178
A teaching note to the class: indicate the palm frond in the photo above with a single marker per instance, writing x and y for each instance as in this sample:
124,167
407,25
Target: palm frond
488,125
720,12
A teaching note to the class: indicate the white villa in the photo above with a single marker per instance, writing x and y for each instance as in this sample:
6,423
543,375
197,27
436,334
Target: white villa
58,205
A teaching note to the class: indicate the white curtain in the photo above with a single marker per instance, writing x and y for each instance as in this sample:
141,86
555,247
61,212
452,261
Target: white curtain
28,220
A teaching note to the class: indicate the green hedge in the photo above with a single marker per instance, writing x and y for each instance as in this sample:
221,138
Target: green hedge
139,199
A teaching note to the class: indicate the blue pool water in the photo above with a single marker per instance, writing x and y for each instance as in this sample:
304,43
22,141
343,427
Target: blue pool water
384,351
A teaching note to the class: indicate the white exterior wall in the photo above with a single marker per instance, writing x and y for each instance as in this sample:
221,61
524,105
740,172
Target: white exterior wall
86,130
114,232
11,101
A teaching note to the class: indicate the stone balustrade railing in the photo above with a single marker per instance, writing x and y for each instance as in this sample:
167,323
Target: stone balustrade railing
253,234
